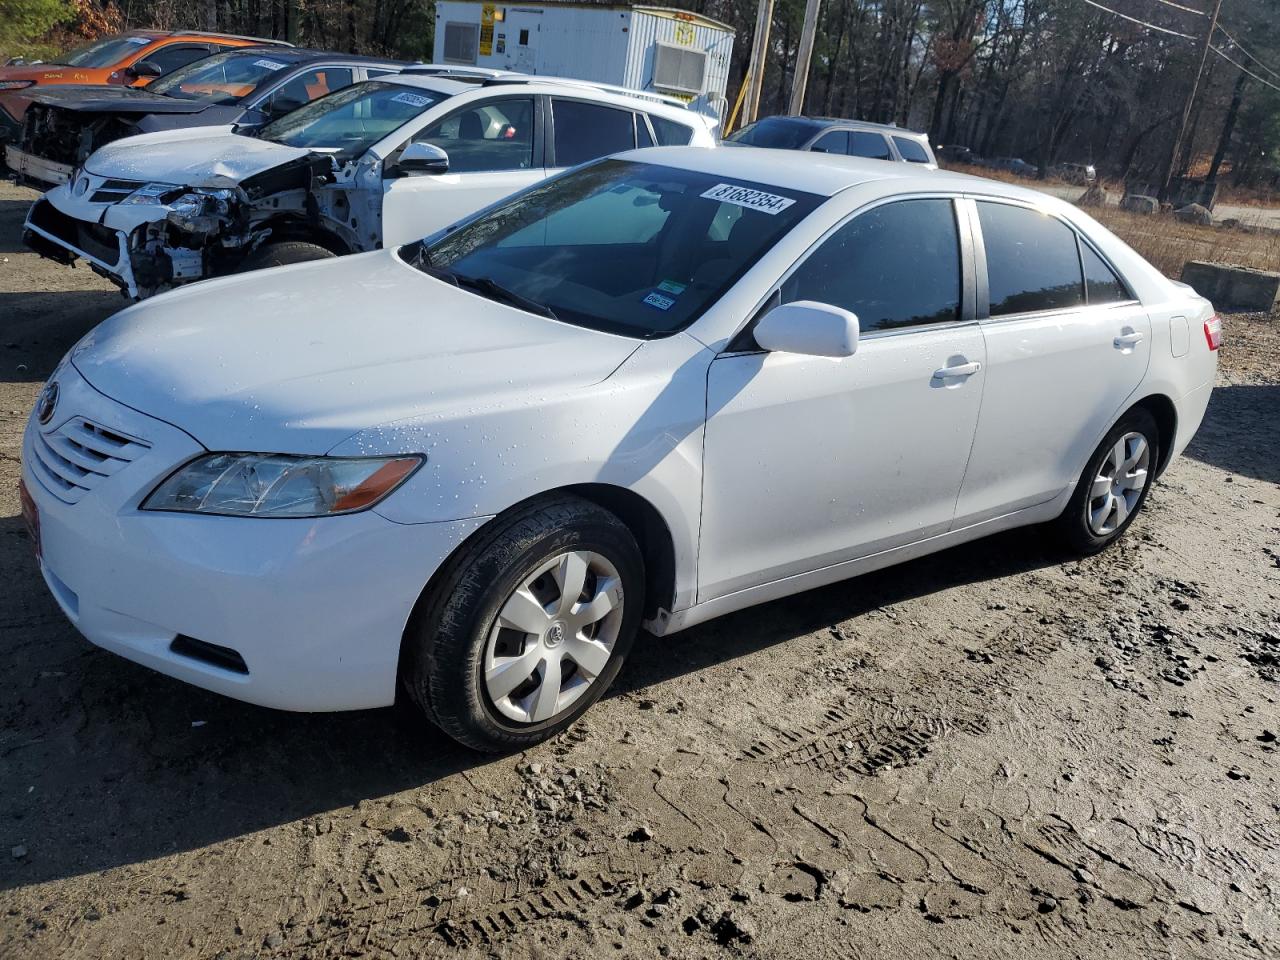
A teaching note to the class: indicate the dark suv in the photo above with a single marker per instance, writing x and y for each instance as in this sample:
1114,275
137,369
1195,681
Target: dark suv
854,138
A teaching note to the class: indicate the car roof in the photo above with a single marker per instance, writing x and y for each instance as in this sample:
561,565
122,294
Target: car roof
824,174
293,55
550,86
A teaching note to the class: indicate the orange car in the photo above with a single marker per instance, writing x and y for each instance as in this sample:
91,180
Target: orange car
130,59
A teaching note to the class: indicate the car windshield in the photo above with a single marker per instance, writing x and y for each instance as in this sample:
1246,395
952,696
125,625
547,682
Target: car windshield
632,248
222,78
777,132
353,119
104,53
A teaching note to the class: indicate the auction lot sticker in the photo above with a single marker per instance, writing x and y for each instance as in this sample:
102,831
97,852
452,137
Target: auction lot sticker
769,203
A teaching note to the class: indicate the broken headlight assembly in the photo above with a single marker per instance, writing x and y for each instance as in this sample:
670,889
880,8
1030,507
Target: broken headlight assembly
199,211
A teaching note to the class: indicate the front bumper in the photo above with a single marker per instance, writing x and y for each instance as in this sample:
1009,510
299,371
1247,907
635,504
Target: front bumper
104,249
315,608
36,168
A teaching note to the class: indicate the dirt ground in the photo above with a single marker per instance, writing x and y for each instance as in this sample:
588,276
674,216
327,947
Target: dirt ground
986,753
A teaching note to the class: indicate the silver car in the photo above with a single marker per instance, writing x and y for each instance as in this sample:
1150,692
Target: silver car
853,138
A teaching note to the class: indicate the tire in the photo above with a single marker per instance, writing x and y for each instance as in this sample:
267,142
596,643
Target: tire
284,253
466,623
1079,527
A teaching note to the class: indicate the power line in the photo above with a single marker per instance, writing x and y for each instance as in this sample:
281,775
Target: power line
1170,3
1141,23
1244,69
1237,45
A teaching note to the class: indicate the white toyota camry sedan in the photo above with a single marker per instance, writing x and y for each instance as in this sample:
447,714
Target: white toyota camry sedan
653,390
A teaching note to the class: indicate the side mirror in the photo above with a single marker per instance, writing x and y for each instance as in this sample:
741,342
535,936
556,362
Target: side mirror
808,328
420,157
145,68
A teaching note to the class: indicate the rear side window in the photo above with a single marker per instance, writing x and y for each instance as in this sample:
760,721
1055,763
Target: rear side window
869,145
585,131
837,141
669,133
911,150
1032,260
1101,283
895,266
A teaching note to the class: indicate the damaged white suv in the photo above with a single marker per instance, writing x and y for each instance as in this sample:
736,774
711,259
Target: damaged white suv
376,164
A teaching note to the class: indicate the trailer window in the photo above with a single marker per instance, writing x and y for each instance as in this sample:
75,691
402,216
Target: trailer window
461,41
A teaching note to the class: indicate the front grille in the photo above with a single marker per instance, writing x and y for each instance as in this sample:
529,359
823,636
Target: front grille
113,191
96,240
76,457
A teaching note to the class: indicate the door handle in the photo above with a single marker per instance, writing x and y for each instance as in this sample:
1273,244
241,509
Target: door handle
1127,340
959,370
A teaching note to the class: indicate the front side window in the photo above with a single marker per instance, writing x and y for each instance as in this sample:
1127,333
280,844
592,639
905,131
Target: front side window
222,78
176,55
305,87
837,141
484,137
1032,260
353,119
897,265
587,131
912,151
634,248
870,145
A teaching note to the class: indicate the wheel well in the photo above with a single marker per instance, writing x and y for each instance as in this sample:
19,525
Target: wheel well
651,533
1166,415
286,228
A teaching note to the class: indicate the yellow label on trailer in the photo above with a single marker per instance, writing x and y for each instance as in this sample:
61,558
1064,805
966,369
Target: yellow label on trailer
486,29
684,34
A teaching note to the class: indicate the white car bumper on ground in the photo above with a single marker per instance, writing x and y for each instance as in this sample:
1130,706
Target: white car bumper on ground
37,168
308,613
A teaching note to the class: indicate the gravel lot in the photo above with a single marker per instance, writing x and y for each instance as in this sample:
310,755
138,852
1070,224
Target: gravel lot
989,752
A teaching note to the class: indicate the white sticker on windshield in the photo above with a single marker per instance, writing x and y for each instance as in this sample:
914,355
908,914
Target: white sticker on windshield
140,41
412,99
269,64
769,203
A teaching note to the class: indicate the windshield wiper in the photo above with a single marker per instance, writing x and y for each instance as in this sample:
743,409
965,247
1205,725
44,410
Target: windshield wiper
488,287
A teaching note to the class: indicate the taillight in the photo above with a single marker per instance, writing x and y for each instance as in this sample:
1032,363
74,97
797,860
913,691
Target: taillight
1213,332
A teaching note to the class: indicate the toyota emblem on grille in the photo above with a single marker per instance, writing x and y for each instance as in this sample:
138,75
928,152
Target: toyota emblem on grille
47,403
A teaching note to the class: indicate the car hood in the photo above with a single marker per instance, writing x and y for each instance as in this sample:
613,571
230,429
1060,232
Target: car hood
297,359
114,100
38,72
189,157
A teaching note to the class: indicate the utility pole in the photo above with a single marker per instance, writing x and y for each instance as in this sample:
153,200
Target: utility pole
1191,99
800,79
759,52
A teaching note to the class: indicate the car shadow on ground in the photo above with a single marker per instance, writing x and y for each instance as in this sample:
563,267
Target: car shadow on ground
1239,432
107,763
13,213
37,329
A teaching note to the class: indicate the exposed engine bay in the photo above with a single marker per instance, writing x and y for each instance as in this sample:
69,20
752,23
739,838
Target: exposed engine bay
67,136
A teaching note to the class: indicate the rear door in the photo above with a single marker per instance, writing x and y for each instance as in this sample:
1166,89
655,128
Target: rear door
1063,357
495,148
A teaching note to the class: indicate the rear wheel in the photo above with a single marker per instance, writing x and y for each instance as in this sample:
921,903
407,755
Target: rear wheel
1114,485
284,253
527,626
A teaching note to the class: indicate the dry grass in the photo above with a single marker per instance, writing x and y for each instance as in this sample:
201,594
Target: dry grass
1169,243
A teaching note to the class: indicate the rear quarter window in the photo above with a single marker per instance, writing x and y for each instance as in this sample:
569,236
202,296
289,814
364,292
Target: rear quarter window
668,133
912,150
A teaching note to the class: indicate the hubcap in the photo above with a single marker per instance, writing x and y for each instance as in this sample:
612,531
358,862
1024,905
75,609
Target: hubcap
553,637
1120,481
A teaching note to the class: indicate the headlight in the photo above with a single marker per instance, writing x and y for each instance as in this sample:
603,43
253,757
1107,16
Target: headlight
274,485
198,210
16,84
149,194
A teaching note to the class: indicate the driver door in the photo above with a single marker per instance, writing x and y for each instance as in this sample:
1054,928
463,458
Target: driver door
813,461
494,148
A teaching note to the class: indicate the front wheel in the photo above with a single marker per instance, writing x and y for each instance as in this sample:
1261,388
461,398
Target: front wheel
527,626
1114,485
282,254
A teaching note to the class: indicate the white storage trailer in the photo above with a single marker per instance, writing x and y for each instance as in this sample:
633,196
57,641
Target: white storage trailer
654,49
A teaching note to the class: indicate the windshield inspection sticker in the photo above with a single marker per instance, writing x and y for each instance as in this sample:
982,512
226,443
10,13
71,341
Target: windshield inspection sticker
268,64
670,286
140,41
412,99
656,299
769,203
